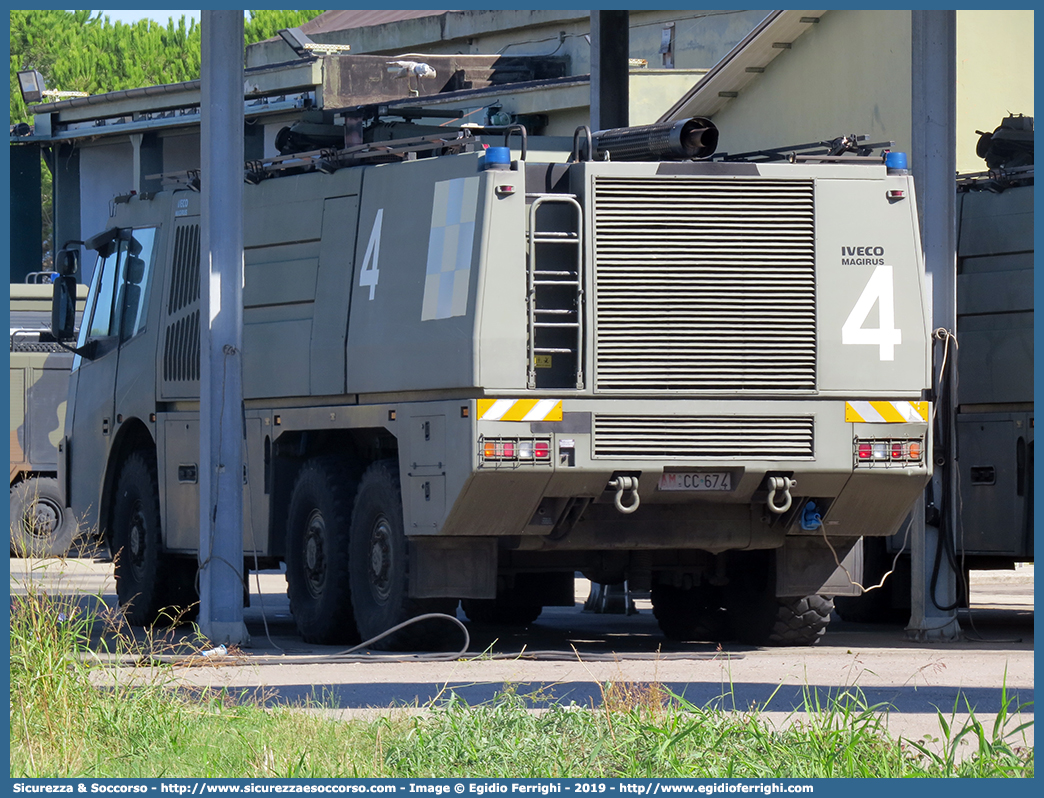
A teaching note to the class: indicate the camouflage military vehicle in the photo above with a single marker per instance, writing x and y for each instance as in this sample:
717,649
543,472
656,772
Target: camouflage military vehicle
41,525
469,373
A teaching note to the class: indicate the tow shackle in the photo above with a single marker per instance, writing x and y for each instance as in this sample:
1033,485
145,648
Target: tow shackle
779,485
622,485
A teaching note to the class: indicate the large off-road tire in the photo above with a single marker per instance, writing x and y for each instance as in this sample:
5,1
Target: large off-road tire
759,618
774,621
800,621
317,552
501,611
380,570
41,524
693,614
144,576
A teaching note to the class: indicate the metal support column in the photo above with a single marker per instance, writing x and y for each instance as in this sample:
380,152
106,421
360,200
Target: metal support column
26,217
221,578
610,51
934,165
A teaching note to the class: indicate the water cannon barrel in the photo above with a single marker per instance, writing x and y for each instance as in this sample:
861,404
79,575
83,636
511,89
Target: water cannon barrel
665,141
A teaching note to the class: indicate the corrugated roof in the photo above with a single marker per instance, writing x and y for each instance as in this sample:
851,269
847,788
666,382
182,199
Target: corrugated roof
330,21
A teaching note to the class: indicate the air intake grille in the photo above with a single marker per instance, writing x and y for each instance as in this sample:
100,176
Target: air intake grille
181,339
704,285
704,437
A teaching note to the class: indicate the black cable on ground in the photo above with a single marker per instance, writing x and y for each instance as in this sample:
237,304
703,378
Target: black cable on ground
348,656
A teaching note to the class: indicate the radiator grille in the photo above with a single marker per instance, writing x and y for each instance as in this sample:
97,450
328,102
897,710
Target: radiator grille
181,337
704,437
184,279
181,349
704,284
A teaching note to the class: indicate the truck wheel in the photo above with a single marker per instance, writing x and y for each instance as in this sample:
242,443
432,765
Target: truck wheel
759,618
501,612
693,614
800,621
41,526
379,566
783,621
317,558
141,573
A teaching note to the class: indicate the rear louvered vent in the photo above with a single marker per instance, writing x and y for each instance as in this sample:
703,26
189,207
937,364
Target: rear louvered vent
704,284
704,437
181,342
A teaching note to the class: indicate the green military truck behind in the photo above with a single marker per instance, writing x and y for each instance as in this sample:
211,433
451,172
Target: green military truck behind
41,525
469,373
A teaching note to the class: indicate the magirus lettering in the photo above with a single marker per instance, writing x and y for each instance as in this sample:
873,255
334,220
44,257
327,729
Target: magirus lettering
862,256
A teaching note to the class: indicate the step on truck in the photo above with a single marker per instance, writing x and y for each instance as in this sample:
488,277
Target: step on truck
469,373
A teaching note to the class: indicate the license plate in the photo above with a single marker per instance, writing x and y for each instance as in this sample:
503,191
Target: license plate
696,480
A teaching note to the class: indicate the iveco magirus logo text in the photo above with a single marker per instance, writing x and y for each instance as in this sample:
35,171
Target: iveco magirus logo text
862,256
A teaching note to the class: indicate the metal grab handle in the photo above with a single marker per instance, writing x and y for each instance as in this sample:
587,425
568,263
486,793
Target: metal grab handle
621,485
586,131
777,484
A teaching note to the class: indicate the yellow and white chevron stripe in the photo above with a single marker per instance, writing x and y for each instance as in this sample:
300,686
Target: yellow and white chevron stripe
886,412
520,409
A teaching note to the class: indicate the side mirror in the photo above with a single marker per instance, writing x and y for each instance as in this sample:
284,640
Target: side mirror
67,262
63,308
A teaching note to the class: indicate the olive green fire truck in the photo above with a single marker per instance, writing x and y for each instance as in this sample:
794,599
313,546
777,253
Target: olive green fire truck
469,373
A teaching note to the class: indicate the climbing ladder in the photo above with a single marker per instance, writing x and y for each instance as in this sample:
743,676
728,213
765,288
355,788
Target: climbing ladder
555,296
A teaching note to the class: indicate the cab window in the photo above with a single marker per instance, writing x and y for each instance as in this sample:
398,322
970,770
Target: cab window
135,268
119,289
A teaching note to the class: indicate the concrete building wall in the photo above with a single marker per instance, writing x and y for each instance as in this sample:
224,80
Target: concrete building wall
106,171
701,38
850,73
994,75
181,152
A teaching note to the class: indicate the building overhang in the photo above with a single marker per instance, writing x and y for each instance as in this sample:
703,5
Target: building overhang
748,59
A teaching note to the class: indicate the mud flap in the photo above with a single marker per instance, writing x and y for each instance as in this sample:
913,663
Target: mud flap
805,566
453,567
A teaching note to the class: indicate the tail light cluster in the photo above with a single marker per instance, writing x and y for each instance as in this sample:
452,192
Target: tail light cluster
875,452
515,450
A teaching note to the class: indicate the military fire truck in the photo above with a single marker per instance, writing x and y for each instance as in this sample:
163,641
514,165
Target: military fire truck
41,525
469,373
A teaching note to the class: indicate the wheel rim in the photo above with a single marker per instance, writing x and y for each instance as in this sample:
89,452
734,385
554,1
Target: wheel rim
380,566
42,520
137,541
314,553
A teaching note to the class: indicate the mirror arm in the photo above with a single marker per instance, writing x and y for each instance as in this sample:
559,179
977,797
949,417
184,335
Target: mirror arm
85,351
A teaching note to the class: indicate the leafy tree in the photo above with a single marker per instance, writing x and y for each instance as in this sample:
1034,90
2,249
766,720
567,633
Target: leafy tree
85,51
265,24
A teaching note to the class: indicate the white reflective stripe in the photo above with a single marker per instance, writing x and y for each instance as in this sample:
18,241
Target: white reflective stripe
866,411
908,411
498,409
540,410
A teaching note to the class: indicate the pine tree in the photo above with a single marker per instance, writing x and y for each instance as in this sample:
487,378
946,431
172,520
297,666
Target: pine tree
84,51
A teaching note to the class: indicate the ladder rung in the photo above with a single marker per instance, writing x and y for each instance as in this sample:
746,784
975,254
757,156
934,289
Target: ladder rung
550,237
555,311
549,351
